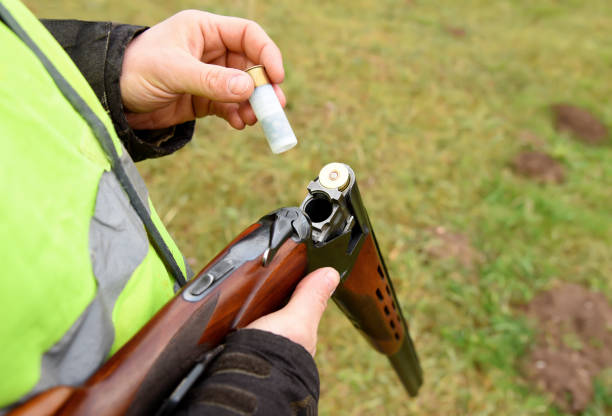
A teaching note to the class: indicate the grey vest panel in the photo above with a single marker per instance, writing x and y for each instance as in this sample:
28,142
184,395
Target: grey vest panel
118,243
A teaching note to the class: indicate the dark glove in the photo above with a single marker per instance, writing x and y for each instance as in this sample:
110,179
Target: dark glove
258,373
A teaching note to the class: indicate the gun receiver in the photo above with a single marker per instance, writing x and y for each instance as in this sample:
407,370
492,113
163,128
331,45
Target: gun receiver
251,277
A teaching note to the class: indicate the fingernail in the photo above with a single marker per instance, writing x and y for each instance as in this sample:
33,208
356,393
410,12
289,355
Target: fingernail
238,84
333,279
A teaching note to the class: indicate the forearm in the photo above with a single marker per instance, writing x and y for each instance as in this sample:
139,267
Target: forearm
97,48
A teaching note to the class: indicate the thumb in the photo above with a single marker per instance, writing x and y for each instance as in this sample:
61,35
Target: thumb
299,319
215,82
310,297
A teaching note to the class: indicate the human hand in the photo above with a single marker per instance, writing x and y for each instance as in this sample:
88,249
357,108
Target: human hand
299,319
190,66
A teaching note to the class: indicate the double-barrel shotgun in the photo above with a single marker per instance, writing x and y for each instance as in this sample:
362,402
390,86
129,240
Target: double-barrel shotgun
253,276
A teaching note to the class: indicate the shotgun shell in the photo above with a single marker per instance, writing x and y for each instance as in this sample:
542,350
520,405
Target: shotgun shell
334,175
270,113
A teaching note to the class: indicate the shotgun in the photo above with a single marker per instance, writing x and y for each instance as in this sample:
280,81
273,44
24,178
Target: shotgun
253,276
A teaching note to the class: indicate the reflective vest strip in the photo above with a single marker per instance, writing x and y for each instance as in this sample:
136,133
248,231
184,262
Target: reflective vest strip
102,135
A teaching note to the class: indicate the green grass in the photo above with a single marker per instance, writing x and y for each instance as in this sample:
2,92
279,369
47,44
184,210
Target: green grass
429,122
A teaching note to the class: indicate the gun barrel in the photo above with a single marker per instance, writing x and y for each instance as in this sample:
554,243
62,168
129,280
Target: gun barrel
343,237
368,299
406,364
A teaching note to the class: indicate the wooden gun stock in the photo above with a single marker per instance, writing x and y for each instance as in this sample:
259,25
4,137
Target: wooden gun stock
140,375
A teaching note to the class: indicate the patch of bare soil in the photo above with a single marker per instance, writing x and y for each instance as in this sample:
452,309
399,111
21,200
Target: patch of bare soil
538,166
445,244
573,344
580,123
456,31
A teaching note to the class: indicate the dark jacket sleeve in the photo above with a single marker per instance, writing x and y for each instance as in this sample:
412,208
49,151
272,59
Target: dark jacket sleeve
258,373
97,48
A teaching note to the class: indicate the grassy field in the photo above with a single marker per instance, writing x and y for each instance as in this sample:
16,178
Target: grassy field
428,102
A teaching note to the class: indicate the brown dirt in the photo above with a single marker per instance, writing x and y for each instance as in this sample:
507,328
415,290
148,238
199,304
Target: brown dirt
580,123
573,344
449,245
538,166
456,31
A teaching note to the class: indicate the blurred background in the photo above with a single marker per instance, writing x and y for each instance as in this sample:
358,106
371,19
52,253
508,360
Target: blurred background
479,132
